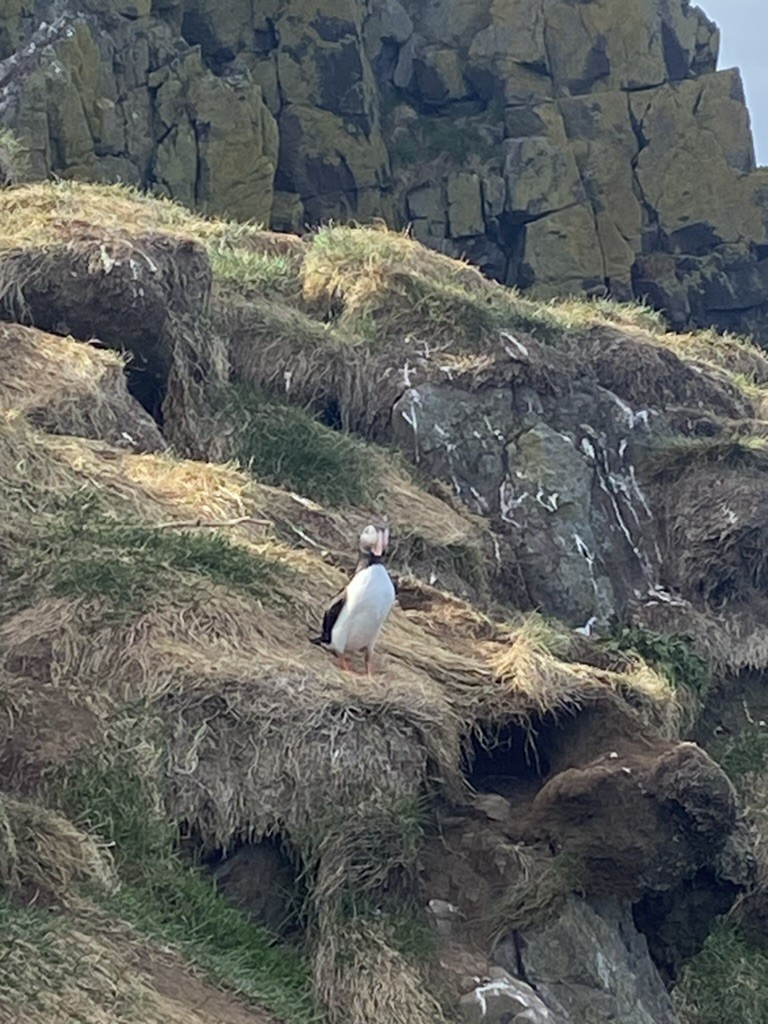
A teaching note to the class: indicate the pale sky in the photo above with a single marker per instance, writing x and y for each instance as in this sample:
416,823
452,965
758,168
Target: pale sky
743,42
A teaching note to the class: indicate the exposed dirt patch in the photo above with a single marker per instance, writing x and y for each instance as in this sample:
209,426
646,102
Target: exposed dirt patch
198,1002
642,821
44,735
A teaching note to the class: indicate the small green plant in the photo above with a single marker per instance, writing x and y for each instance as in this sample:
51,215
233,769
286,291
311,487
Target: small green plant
744,755
727,980
14,158
671,654
288,447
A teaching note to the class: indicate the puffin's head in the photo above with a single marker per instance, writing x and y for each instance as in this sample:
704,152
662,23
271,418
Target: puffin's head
374,540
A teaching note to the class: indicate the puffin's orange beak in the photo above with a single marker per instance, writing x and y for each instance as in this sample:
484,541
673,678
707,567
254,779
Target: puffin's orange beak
382,541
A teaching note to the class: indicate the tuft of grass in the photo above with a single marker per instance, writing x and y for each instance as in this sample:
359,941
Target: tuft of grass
538,896
670,654
288,447
463,560
14,158
85,550
728,979
253,272
114,795
117,800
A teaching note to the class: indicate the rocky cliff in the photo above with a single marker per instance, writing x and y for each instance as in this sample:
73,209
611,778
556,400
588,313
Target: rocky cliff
566,148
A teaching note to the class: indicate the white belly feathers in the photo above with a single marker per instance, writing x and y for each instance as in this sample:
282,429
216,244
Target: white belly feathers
368,601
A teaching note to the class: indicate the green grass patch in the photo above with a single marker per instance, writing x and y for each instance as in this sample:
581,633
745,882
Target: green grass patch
286,446
113,796
179,906
670,654
83,549
254,272
744,755
727,980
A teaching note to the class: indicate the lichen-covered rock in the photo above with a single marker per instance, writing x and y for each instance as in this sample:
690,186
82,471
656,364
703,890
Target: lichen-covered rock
697,206
465,215
604,146
218,145
339,172
562,254
98,97
590,964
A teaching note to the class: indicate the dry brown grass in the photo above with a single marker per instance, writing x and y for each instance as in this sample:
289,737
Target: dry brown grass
254,730
361,977
67,387
233,677
46,213
46,856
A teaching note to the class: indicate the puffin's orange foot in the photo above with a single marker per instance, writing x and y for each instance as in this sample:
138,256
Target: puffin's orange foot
368,663
343,663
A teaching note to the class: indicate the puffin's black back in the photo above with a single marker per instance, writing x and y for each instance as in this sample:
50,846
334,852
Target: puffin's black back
332,613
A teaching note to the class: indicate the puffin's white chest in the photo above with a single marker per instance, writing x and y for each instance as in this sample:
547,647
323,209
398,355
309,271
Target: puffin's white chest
368,601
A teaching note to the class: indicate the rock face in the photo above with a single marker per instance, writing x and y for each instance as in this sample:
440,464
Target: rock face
591,965
562,498
104,92
563,147
601,164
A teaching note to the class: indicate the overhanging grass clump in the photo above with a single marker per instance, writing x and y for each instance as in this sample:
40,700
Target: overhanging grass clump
288,447
728,979
45,856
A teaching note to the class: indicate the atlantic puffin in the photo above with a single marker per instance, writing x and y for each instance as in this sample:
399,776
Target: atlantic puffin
353,619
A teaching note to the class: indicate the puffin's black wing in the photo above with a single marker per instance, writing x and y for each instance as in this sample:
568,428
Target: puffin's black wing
332,613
